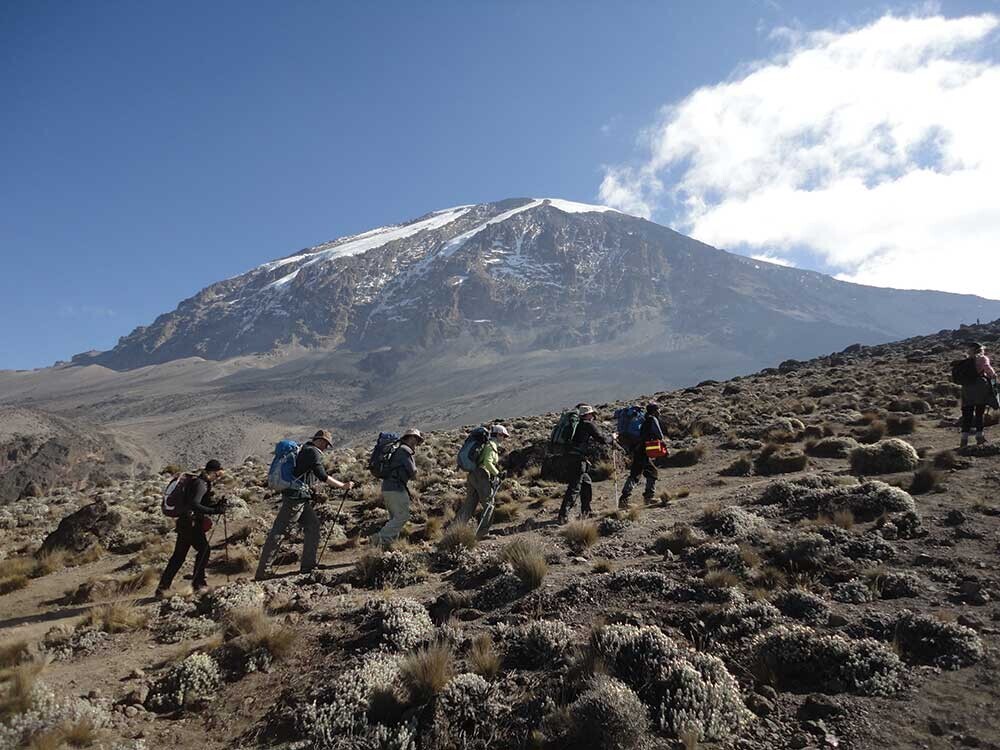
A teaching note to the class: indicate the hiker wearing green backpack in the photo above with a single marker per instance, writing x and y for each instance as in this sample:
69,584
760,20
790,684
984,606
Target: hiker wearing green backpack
484,479
642,463
978,380
400,469
307,472
574,433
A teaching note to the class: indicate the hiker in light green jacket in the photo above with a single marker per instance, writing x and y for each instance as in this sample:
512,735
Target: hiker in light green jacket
482,484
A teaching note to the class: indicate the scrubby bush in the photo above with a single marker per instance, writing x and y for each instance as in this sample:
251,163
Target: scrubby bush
854,591
466,714
687,692
401,624
803,606
924,480
741,619
741,467
798,658
389,569
776,459
608,715
884,457
732,522
539,644
32,716
221,602
832,447
679,538
255,641
926,640
193,681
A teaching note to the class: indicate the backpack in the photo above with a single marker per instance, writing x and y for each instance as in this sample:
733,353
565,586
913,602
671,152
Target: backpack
964,372
562,434
385,445
281,474
472,449
628,422
176,495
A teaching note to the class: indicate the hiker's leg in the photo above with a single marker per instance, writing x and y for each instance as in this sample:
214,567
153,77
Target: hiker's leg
181,547
967,417
651,473
200,542
468,508
980,422
286,513
398,505
635,470
311,532
586,490
572,489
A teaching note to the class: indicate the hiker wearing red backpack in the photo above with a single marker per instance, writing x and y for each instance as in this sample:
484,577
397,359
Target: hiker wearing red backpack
978,392
189,499
650,435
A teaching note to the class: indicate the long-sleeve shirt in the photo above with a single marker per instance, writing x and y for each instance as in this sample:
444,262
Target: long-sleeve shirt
201,492
489,459
651,430
585,432
401,469
983,366
309,465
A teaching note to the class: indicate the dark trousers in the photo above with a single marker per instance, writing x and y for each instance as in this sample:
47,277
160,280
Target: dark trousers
189,534
580,486
642,466
973,416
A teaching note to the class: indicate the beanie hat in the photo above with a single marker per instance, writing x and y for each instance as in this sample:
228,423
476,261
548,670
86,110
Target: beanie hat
213,465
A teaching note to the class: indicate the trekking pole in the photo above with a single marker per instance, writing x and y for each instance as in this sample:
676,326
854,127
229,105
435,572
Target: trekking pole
614,469
225,530
487,519
332,526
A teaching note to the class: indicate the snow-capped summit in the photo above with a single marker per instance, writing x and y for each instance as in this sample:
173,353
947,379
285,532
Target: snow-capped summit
521,275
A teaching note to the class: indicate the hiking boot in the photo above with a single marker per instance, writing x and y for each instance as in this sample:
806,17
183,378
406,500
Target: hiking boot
623,505
585,514
980,439
965,440
201,588
561,519
160,594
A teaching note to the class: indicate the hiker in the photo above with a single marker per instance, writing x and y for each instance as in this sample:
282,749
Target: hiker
977,395
296,505
194,507
402,467
580,484
483,481
642,464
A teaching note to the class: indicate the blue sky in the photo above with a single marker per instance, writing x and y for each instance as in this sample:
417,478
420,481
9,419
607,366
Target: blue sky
152,148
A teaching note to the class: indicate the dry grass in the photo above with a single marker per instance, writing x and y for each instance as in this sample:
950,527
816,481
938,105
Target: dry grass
770,578
426,671
685,456
239,560
483,658
458,536
13,653
79,734
900,424
12,583
678,539
875,431
506,513
19,684
945,460
430,531
603,566
749,555
528,561
116,617
924,480
107,587
254,630
721,579
580,535
634,513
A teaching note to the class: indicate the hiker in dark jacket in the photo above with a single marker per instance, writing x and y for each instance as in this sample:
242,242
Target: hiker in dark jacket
642,465
977,395
580,484
296,505
401,469
191,526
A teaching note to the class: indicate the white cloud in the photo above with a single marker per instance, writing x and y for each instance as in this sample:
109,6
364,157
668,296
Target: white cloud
775,259
877,149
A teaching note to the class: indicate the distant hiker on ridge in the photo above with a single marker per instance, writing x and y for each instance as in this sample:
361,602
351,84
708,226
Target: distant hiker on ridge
189,499
580,424
484,479
296,504
402,467
642,464
978,392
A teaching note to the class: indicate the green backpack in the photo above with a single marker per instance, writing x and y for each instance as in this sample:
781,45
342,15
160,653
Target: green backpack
565,429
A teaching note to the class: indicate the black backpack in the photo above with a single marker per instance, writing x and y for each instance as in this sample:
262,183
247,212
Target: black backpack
177,495
964,372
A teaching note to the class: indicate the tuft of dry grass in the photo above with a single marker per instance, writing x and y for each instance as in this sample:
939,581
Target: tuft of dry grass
483,657
900,424
603,566
528,562
506,513
924,480
458,536
749,555
770,577
945,460
720,578
678,539
254,630
12,583
426,671
13,653
20,685
116,617
685,456
430,531
875,431
80,733
239,560
634,513
580,535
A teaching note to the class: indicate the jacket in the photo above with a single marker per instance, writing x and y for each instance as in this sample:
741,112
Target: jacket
489,459
401,469
585,432
651,430
198,501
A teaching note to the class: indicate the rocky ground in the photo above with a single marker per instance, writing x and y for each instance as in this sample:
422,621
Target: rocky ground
818,570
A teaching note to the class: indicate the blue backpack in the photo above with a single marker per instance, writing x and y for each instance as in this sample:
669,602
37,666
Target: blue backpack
472,449
628,422
385,446
281,475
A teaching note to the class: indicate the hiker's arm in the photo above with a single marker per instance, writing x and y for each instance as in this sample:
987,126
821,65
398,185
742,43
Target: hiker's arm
337,484
985,368
489,461
196,501
657,431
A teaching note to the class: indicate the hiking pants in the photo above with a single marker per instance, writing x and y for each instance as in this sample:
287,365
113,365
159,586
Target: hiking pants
580,486
478,489
189,534
397,502
292,511
642,466
973,416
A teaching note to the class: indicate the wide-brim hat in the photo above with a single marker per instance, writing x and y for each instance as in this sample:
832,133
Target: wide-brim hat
414,433
586,409
323,435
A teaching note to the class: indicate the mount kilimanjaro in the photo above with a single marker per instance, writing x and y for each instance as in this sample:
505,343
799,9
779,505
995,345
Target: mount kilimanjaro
467,313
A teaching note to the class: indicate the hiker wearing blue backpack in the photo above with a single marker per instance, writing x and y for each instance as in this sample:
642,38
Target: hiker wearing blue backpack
637,442
480,457
189,500
399,468
575,431
295,472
